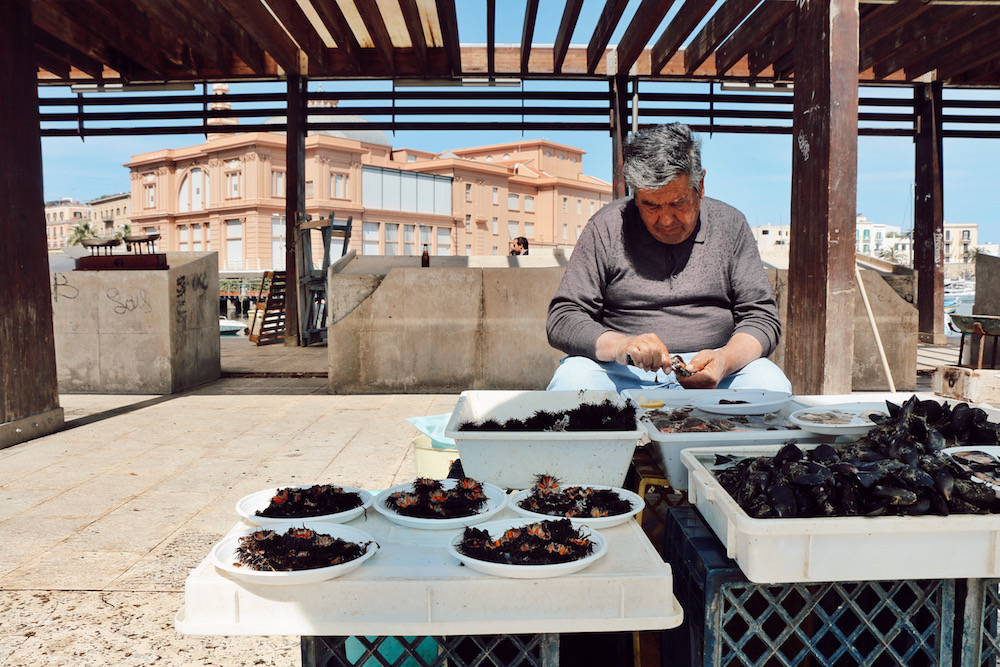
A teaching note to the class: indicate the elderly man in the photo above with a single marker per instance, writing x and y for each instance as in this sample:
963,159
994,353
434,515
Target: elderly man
666,271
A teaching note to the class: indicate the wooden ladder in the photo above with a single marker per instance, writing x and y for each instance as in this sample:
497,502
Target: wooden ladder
268,322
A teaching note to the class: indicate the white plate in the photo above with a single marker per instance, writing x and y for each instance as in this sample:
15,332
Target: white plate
495,528
854,421
224,557
496,500
592,521
992,450
248,506
758,402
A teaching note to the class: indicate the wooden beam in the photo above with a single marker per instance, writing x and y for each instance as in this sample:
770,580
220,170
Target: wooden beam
528,33
221,23
135,33
606,24
49,18
723,22
258,22
347,44
295,198
69,55
375,24
885,19
972,49
29,391
819,338
571,13
644,23
687,19
768,16
297,24
777,43
928,213
415,28
491,37
904,44
193,32
51,63
619,132
448,22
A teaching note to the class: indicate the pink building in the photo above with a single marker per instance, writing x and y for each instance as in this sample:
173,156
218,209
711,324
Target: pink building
227,194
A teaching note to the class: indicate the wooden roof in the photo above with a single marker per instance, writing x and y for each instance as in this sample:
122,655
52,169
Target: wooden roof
135,41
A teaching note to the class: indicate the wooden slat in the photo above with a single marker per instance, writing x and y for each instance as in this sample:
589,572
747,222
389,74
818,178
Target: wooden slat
928,213
372,18
301,29
644,23
220,22
448,20
134,28
193,32
527,33
48,18
491,37
974,48
905,43
686,20
819,340
51,62
411,14
333,18
769,15
778,43
885,19
619,131
606,24
718,27
67,54
567,24
258,22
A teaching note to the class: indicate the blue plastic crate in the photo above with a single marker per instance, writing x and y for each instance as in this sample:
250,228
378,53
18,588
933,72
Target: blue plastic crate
729,620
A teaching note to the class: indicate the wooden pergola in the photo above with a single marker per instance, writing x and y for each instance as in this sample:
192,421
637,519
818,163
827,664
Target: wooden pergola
825,48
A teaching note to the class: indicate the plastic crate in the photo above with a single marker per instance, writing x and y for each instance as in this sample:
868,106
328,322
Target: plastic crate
980,637
457,651
732,621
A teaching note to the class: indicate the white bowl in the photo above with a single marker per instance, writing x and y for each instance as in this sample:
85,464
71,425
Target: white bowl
496,528
496,500
224,557
633,499
247,506
754,402
853,414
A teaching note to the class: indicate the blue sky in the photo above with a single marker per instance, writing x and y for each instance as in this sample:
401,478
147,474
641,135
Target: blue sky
752,172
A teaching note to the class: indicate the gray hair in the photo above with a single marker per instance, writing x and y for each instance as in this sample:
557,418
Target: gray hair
657,155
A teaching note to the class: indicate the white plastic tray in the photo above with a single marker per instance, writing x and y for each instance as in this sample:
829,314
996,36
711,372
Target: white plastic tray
666,447
511,459
773,551
412,587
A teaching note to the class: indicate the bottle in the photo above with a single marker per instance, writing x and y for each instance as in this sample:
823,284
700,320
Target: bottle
425,259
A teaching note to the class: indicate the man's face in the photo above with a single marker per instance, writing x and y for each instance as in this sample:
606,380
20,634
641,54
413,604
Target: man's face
671,213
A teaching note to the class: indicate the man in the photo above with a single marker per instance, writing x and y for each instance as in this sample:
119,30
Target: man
520,246
666,271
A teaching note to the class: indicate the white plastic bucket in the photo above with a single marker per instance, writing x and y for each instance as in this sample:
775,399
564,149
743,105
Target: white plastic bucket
431,461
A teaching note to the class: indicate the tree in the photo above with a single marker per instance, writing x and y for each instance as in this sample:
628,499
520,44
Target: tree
81,231
972,254
891,254
126,230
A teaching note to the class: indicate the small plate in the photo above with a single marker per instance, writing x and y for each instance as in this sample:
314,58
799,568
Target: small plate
247,507
752,402
592,521
224,557
495,528
496,500
837,419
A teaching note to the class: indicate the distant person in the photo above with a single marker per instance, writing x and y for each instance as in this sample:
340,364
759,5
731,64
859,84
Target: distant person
662,272
520,246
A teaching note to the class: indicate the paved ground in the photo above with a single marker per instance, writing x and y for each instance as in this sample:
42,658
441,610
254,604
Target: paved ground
102,522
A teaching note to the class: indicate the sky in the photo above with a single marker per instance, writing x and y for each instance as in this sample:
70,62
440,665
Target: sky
751,172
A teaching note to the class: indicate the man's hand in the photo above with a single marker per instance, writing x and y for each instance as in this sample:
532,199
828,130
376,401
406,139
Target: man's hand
710,366
645,351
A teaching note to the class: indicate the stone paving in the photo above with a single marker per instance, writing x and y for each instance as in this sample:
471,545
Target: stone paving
102,522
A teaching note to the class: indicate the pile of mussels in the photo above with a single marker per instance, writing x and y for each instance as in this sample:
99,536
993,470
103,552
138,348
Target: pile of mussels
896,469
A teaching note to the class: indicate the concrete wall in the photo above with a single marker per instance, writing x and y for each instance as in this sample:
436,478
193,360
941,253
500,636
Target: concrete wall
138,332
404,329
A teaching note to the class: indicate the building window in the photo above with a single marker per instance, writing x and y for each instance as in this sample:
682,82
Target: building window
565,232
196,237
309,189
513,203
579,206
966,235
234,245
468,222
278,242
578,232
529,230
468,251
443,241
529,204
277,184
495,225
182,238
425,235
233,185
496,196
512,229
947,248
468,192
369,238
408,248
149,196
947,235
391,239
565,204
338,186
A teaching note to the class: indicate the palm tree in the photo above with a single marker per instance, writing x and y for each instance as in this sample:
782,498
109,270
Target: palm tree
972,254
81,231
890,254
126,230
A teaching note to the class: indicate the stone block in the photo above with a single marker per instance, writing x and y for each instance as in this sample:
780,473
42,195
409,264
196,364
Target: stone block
967,384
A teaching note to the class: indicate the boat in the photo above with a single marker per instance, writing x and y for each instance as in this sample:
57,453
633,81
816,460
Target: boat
951,304
960,289
229,327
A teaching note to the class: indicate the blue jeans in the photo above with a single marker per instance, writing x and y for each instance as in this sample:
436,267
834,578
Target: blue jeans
575,373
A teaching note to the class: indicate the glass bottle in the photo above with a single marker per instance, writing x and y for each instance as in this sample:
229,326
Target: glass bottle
425,259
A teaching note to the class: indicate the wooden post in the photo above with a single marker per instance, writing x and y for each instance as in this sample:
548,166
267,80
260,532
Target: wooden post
29,391
819,336
619,131
295,200
928,213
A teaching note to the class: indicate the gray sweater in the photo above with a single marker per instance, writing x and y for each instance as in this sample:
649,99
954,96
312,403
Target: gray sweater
694,295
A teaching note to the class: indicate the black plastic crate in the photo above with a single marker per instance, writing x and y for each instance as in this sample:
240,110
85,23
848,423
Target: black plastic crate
980,599
729,620
456,651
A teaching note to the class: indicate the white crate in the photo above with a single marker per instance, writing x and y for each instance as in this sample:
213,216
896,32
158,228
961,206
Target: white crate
511,459
771,551
665,448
